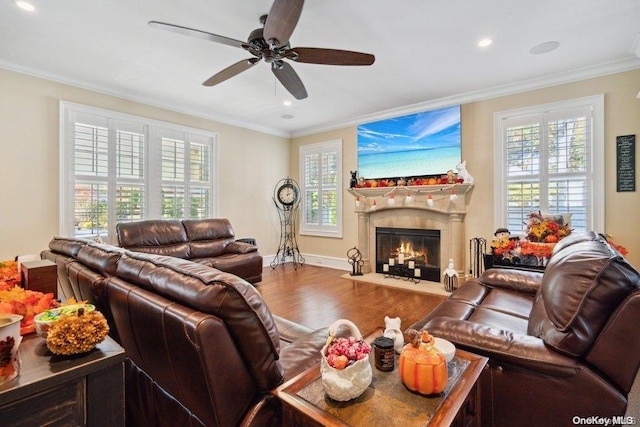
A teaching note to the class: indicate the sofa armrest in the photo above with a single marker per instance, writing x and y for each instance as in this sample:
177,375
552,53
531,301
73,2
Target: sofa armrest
241,248
525,351
516,280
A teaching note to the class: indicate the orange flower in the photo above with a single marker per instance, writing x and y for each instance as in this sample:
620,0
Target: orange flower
540,228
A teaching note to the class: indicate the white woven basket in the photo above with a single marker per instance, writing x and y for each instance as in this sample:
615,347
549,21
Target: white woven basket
350,382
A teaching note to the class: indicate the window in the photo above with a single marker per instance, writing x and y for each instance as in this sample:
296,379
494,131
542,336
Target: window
118,168
550,158
321,172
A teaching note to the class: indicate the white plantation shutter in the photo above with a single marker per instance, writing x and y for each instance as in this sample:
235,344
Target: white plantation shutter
321,186
549,159
118,168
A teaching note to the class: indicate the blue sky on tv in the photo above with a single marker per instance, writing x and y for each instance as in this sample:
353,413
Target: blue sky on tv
419,131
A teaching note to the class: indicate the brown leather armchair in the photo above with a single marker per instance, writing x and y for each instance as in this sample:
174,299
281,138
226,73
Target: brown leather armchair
561,344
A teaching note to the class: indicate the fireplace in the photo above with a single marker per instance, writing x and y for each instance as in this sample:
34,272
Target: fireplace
411,247
429,208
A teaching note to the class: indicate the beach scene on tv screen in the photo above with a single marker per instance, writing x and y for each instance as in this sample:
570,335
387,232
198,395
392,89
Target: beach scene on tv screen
426,143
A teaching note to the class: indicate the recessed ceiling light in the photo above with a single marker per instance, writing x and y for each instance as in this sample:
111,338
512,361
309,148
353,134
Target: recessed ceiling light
485,42
286,103
287,116
544,48
26,6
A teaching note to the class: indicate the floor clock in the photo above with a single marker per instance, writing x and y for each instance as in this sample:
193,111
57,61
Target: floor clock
286,197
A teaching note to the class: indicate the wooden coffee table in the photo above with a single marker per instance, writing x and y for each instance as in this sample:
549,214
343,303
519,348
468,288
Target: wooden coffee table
387,402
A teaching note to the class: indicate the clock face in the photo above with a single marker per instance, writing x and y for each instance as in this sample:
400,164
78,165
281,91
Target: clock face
287,194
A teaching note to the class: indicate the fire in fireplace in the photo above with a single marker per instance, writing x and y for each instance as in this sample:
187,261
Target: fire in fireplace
405,246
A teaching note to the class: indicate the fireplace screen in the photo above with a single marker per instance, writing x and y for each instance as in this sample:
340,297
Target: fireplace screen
419,247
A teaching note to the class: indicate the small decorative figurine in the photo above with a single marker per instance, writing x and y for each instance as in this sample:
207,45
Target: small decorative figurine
502,233
450,278
354,179
463,173
392,330
451,177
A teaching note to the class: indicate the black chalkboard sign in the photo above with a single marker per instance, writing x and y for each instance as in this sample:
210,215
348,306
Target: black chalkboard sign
626,163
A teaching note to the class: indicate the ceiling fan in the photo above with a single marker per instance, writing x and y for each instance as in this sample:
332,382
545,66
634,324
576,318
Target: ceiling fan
271,43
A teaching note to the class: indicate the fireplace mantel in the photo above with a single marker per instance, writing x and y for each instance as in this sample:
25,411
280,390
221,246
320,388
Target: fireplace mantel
437,207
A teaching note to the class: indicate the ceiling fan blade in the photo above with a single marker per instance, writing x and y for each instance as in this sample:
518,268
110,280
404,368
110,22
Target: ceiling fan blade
231,71
281,21
313,55
289,79
197,33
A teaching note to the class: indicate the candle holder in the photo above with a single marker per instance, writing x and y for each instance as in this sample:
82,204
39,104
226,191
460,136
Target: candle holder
401,271
355,259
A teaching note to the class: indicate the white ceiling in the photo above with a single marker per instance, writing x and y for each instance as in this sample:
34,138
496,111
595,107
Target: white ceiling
426,53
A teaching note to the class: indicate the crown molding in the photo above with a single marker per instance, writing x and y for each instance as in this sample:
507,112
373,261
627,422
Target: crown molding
228,120
572,76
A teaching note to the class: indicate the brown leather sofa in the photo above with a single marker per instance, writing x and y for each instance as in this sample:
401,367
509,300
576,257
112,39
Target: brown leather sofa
561,344
208,241
202,347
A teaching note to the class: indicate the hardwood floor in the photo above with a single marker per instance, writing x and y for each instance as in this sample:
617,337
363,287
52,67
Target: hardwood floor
317,296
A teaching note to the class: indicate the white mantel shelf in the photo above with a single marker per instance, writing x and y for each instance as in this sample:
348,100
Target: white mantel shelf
430,207
444,189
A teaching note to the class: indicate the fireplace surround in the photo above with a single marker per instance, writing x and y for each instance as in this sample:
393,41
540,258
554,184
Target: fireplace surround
434,207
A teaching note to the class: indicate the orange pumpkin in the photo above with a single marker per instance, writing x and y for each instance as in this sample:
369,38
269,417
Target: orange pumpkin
423,368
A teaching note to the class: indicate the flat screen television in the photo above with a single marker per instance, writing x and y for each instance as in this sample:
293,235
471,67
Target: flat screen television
419,144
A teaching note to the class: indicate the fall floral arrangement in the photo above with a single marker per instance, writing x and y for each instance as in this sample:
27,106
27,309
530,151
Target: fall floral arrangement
545,229
77,332
16,300
9,274
541,234
623,251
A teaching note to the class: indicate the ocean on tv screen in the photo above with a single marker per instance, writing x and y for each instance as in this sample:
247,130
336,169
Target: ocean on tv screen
426,143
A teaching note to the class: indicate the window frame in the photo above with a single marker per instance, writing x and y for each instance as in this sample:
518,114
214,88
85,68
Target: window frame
321,230
152,179
595,174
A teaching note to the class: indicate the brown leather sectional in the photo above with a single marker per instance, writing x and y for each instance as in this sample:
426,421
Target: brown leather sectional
561,345
209,241
202,346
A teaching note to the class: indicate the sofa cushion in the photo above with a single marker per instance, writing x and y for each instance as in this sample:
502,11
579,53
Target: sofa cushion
208,237
100,258
160,237
583,284
221,294
68,247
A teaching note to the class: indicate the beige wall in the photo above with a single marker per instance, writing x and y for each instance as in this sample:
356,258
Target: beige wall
251,164
622,117
29,169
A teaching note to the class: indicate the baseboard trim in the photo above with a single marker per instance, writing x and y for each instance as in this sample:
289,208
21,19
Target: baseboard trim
316,260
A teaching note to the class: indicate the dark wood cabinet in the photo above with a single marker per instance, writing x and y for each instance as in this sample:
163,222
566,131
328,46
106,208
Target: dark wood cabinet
40,275
81,390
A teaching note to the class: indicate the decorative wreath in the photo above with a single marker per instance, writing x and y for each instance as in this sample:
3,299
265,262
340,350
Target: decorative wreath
77,332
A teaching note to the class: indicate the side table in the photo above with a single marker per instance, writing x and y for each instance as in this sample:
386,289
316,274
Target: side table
86,389
41,276
387,401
